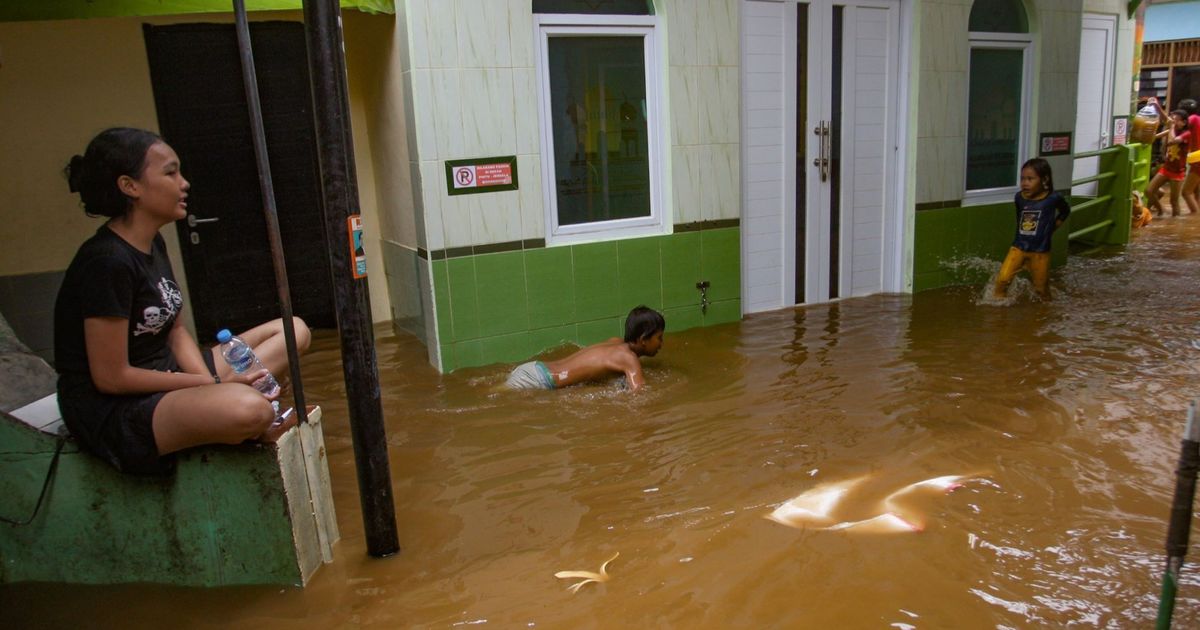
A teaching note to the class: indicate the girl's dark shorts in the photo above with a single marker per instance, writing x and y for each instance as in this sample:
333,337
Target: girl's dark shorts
118,429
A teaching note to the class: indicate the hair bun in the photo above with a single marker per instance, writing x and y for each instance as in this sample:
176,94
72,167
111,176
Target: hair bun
75,173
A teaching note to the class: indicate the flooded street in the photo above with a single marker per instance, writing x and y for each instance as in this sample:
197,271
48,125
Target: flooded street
1064,418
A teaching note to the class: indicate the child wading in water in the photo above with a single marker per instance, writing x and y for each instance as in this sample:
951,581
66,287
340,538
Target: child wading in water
1040,210
1174,163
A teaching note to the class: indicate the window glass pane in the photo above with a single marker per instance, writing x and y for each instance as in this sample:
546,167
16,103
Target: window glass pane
598,112
998,16
595,7
994,118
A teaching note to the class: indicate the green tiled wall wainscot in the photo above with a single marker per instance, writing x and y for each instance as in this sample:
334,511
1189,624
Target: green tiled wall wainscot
953,246
507,307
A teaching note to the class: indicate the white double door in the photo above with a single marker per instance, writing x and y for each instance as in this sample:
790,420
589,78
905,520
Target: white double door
820,146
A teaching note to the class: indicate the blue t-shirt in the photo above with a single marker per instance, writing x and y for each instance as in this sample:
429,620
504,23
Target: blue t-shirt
1036,221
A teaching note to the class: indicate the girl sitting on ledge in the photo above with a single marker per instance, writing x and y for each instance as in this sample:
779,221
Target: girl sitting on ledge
133,385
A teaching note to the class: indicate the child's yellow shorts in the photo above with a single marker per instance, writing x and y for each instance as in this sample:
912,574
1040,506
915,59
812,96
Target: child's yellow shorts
1194,157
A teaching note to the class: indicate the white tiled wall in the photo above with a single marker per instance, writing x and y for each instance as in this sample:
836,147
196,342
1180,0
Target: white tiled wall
703,91
474,94
941,101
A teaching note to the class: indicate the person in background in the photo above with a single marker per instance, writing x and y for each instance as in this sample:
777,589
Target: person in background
133,386
1175,139
1191,183
643,338
1040,211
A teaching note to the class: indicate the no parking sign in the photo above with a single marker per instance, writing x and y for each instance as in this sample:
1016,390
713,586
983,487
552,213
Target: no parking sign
480,175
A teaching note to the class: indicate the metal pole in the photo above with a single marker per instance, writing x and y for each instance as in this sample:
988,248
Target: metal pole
267,188
327,70
1181,517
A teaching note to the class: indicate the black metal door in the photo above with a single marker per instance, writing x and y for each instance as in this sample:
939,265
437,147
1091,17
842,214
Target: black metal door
202,114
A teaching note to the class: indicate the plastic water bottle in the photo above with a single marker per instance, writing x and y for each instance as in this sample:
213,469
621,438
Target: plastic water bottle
241,358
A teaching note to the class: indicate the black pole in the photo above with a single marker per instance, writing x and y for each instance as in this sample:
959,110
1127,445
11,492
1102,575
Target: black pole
339,191
267,188
1180,524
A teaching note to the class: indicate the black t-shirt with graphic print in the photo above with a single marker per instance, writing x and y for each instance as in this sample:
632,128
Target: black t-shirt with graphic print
111,278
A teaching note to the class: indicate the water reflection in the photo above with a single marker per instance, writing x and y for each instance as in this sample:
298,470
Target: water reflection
1065,416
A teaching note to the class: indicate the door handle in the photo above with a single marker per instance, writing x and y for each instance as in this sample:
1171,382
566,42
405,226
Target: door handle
192,221
822,161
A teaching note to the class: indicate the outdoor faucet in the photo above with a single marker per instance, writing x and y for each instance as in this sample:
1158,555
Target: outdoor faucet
703,287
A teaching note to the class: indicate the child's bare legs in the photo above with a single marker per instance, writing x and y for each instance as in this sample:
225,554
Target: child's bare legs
1039,272
1189,188
1013,262
1154,193
229,413
1176,187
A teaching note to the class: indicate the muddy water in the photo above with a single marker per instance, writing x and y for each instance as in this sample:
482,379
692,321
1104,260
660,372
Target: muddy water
1065,416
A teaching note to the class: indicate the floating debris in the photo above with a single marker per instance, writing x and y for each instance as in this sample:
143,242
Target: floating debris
816,507
589,576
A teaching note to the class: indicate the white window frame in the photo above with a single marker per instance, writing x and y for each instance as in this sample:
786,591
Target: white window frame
568,25
1001,41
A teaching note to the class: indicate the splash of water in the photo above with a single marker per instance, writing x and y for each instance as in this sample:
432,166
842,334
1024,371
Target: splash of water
969,266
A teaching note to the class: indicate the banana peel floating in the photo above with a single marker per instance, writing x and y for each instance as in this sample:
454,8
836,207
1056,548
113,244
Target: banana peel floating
816,507
588,576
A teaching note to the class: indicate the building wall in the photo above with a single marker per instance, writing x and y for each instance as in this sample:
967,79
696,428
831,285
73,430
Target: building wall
1123,92
943,86
500,293
62,82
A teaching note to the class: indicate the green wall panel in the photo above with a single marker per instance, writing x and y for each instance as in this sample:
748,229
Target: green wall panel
464,308
682,318
468,353
500,293
542,339
441,300
511,348
599,330
723,312
596,283
639,273
680,269
550,285
720,252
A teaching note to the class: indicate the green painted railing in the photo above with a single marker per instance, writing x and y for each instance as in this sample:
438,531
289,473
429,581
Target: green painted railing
1104,218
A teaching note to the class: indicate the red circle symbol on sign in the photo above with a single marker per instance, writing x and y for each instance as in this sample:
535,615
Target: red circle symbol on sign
464,177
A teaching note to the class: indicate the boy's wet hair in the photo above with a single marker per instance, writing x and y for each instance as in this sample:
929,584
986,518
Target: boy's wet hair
1182,113
112,153
1042,168
642,323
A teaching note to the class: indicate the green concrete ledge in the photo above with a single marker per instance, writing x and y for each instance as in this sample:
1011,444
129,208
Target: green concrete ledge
30,10
248,514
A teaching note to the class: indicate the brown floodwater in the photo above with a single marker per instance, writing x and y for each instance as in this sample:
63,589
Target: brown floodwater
1064,417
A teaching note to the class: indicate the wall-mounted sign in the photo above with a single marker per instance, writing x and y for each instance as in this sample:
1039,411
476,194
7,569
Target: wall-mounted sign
1054,143
358,256
1120,129
480,175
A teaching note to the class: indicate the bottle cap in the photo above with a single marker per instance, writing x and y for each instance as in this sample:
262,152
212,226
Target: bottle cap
224,335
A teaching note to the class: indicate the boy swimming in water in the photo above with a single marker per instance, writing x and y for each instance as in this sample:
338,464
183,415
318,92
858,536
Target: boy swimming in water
643,337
